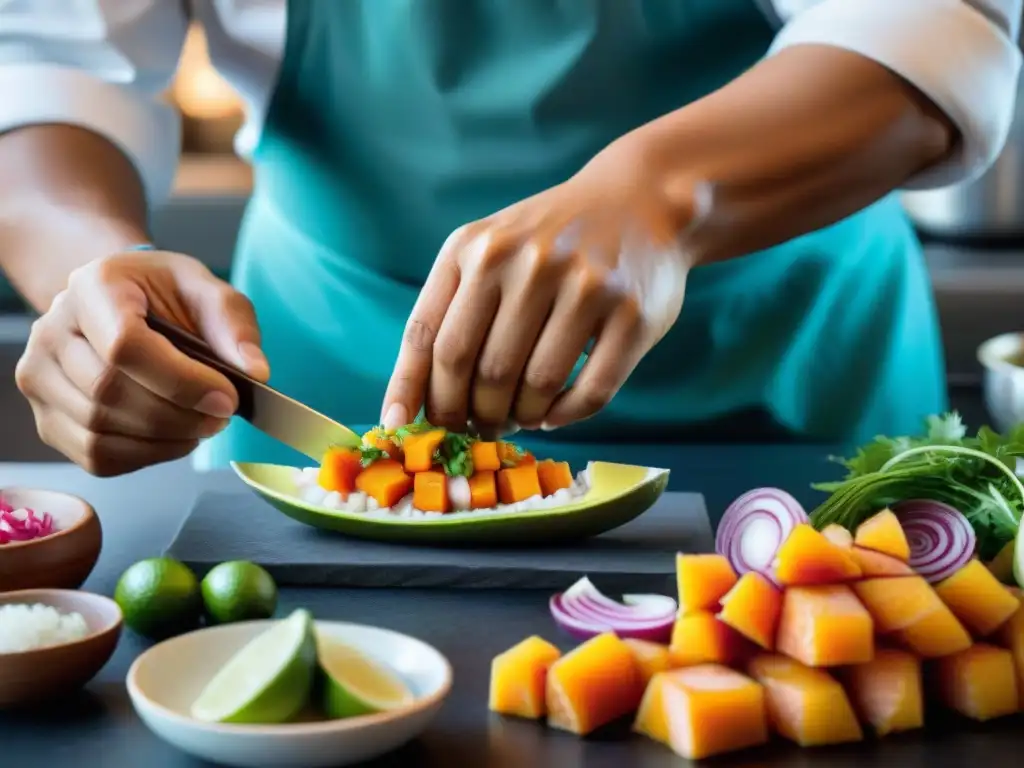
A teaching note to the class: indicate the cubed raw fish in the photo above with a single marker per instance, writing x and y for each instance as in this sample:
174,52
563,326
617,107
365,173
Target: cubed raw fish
594,684
887,692
805,705
883,533
519,676
700,638
752,608
651,658
806,557
979,683
703,711
702,581
977,598
825,626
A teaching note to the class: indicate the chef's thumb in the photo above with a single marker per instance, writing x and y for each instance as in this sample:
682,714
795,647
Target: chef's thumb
227,321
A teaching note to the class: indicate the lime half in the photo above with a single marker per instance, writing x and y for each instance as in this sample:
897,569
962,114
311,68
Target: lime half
267,681
354,684
1018,557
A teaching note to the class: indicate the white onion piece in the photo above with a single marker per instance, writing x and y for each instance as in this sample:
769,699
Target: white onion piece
584,612
458,493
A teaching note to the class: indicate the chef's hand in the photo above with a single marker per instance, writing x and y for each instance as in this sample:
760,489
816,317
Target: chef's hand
513,300
113,395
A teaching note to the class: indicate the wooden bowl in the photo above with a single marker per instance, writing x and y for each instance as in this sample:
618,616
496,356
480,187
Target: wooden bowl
62,560
30,677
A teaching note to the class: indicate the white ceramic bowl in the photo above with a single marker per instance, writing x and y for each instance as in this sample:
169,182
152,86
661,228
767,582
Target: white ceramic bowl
1003,380
165,680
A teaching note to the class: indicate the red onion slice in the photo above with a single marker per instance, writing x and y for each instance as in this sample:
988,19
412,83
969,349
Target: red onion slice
941,538
754,527
584,612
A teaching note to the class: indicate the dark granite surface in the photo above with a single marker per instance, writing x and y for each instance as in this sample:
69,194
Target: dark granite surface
142,512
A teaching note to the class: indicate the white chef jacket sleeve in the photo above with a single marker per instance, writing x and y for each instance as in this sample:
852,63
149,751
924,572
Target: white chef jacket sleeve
101,65
962,54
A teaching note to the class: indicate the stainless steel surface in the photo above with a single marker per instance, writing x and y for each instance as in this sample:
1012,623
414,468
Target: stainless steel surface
274,413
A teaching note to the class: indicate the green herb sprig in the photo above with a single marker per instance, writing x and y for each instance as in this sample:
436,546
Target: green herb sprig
976,475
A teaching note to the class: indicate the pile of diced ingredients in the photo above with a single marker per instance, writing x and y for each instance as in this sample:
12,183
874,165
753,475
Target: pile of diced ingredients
18,524
25,627
881,607
421,471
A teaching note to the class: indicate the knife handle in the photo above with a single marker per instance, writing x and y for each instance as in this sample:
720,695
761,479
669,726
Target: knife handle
201,352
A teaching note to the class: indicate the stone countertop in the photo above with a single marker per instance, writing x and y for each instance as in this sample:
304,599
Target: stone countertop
141,512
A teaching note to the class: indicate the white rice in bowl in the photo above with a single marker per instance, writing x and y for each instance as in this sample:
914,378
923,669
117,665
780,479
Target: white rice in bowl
308,489
26,627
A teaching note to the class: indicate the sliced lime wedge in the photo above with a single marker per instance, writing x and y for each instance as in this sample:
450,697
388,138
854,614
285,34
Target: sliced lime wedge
355,684
268,680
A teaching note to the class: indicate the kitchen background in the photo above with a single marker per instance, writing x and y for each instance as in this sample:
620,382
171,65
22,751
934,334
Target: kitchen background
974,238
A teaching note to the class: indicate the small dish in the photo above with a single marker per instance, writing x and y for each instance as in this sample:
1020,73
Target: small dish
1002,358
62,560
29,677
165,681
617,494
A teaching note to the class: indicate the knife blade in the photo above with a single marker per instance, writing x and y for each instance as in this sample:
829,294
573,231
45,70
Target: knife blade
272,412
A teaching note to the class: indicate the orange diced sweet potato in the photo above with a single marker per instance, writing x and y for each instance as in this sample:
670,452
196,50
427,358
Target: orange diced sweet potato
554,476
483,490
838,535
518,483
806,557
430,491
420,448
518,678
752,609
887,691
339,469
883,533
703,711
700,638
874,564
702,581
937,634
651,658
977,598
485,456
384,481
1011,637
594,684
979,683
825,626
805,705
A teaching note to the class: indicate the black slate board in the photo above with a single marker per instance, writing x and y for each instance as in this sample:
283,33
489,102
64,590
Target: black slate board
638,557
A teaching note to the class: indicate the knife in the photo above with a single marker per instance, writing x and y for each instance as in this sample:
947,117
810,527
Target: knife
274,413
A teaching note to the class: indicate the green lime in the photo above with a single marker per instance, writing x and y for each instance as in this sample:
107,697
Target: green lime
239,591
159,597
354,684
268,681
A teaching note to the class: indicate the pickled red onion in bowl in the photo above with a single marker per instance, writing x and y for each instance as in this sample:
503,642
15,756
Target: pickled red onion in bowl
22,524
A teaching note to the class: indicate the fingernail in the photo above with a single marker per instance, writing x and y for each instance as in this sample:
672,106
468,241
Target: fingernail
548,427
396,416
255,361
216,404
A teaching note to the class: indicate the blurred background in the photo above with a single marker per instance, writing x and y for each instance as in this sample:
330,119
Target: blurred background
974,237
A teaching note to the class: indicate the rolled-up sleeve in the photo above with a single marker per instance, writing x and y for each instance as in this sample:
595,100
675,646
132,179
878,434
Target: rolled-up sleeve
962,54
101,65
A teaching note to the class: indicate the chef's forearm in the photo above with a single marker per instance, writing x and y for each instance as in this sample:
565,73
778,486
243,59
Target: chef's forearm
802,140
67,196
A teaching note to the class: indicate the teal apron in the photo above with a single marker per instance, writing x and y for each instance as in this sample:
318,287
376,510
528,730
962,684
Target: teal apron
395,121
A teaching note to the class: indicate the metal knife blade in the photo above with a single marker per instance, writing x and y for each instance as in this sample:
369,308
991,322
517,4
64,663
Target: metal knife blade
274,413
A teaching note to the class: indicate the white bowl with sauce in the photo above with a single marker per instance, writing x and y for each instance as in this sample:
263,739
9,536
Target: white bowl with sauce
1002,359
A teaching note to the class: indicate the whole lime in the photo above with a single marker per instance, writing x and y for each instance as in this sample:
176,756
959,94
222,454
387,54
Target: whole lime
239,591
159,597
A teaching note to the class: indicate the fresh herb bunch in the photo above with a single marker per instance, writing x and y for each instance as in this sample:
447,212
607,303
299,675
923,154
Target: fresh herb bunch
976,475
